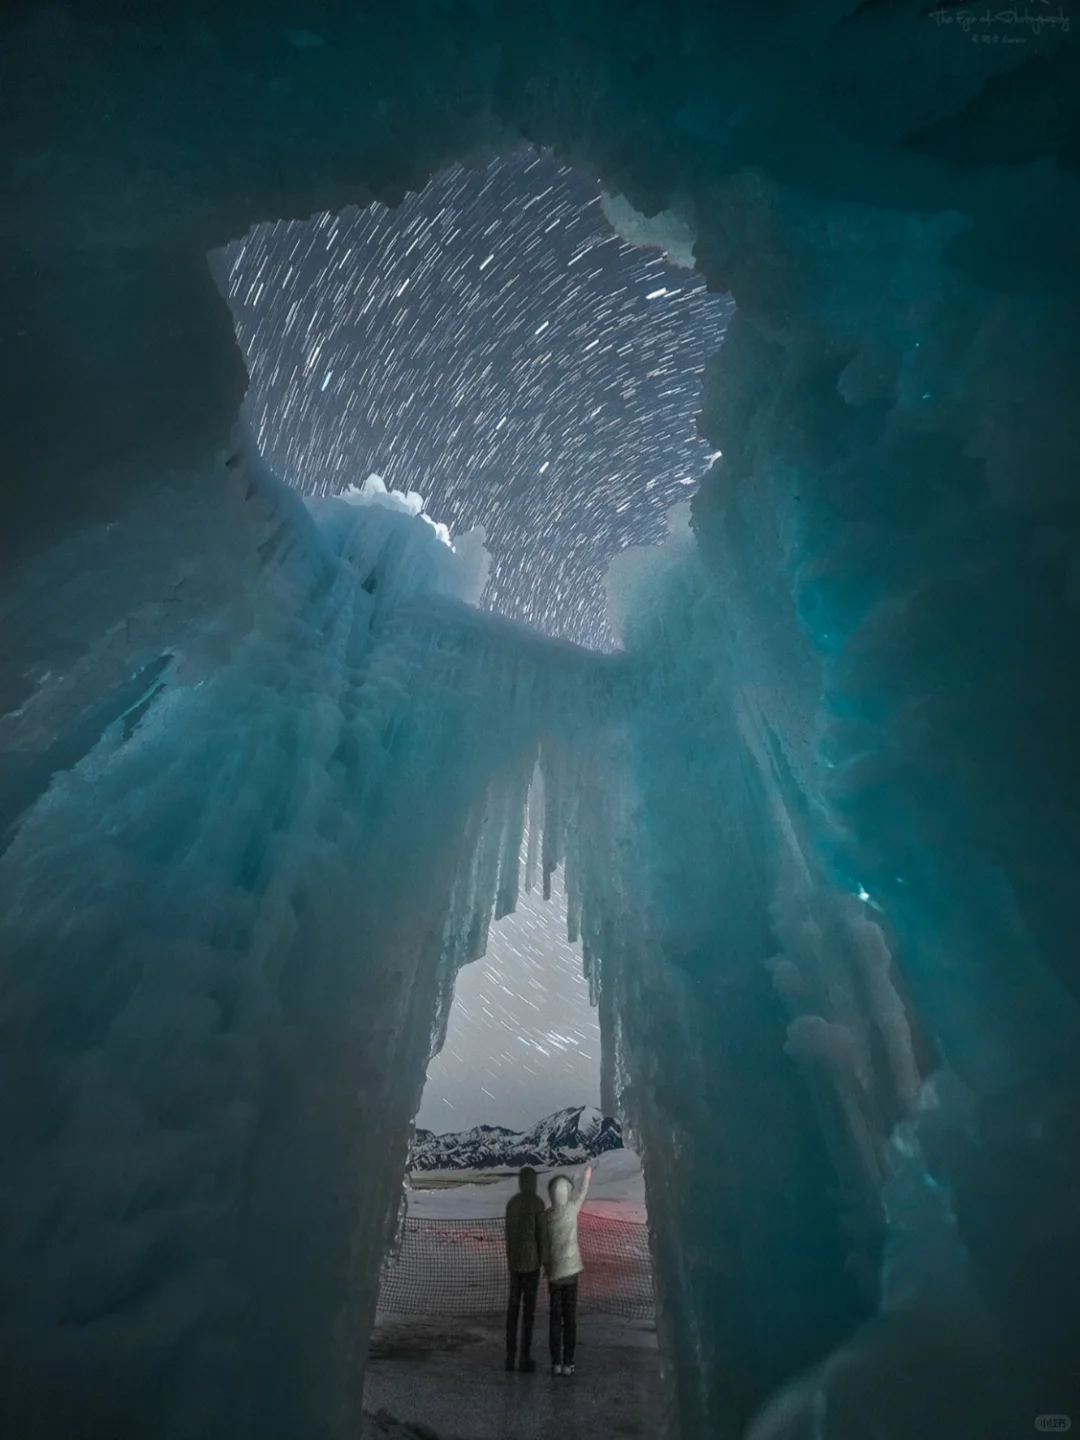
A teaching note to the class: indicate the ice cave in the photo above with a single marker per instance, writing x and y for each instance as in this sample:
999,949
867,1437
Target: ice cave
267,768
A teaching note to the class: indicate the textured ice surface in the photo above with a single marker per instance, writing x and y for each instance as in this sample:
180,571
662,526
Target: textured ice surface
755,991
230,927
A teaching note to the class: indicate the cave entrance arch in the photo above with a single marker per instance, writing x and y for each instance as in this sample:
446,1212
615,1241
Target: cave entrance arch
511,1083
642,254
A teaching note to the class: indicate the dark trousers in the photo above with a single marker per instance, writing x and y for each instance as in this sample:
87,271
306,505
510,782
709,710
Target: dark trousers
562,1321
523,1287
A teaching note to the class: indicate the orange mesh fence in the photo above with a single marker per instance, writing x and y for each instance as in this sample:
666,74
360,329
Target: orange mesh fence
458,1267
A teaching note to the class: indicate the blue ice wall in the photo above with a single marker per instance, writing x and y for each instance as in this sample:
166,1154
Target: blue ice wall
871,630
231,918
851,1103
757,1275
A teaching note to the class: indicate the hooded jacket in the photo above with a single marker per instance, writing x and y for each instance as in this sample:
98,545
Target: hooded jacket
562,1257
524,1212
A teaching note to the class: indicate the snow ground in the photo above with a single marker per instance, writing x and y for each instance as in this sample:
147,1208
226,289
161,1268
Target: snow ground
446,1380
617,1190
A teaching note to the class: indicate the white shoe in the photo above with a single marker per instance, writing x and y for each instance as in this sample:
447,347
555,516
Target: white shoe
557,1370
568,1369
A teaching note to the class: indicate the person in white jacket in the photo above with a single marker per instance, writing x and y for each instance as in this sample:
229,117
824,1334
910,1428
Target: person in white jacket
562,1262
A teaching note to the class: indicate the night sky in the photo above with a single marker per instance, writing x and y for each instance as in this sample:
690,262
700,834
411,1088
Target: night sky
493,344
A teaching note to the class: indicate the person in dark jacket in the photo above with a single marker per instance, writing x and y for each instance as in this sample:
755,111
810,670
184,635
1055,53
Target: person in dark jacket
523,1253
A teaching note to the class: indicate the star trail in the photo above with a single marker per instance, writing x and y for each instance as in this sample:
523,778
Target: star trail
493,344
522,1040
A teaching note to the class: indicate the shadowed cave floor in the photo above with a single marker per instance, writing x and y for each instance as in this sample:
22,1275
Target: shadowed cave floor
444,1380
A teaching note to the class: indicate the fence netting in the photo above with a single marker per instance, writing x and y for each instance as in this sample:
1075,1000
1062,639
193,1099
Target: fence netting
458,1267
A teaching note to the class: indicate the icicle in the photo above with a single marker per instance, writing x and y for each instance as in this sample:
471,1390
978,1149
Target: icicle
573,917
572,867
552,817
536,812
487,873
510,855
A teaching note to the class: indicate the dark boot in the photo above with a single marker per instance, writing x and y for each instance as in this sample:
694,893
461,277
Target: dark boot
527,1365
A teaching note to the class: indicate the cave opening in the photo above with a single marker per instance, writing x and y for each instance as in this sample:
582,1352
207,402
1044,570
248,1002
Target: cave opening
502,343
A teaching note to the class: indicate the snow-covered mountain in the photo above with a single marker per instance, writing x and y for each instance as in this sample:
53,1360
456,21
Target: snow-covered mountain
569,1137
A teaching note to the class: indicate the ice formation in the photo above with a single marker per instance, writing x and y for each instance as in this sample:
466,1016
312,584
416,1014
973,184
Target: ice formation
265,772
265,870
668,231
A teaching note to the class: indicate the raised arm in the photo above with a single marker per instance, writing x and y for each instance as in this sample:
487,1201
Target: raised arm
579,1199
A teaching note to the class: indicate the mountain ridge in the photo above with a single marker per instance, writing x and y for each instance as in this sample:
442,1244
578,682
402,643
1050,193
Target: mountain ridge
567,1137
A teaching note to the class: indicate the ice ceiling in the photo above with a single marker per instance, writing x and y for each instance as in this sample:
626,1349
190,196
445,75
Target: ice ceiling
266,773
